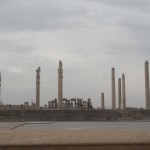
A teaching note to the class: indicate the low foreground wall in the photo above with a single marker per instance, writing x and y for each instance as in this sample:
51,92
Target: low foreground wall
58,115
73,115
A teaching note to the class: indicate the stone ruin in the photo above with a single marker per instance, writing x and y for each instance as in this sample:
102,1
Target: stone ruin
73,103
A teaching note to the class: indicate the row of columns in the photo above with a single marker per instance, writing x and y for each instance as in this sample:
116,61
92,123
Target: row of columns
121,91
60,86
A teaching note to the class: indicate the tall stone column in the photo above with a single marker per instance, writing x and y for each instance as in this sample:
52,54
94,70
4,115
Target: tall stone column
60,85
119,93
102,101
0,90
147,96
113,89
38,87
123,92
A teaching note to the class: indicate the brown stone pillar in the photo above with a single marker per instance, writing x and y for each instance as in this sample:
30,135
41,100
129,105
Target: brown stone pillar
147,96
113,89
123,92
0,90
38,87
102,101
60,85
119,93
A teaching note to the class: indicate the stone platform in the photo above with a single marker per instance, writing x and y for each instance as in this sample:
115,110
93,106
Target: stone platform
75,135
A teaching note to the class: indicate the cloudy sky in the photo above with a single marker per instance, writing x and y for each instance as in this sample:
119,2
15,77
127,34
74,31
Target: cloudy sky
89,36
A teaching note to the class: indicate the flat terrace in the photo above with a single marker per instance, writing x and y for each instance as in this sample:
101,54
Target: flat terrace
75,135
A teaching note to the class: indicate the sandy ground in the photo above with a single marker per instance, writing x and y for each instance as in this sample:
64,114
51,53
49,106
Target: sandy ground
24,133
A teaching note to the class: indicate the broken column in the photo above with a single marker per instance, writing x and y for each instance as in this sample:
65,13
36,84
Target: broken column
119,93
38,87
147,96
113,89
60,85
102,101
123,92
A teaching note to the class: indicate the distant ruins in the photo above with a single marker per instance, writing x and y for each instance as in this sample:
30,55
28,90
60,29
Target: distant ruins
73,103
77,103
64,103
77,109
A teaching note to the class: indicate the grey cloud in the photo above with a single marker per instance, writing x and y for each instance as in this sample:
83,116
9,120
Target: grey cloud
125,3
38,15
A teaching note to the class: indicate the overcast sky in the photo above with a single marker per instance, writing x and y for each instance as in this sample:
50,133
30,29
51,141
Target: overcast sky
89,36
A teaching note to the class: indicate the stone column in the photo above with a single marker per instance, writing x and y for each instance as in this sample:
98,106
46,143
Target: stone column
119,93
123,92
38,87
0,90
102,101
113,89
60,85
147,96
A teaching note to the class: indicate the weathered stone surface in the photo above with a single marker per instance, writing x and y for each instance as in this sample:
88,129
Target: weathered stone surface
102,101
59,115
147,94
123,92
113,89
119,93
38,87
60,85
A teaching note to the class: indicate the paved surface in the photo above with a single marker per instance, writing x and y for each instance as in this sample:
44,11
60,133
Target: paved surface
22,133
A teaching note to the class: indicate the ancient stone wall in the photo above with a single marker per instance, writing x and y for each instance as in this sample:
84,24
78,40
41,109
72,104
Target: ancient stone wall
59,115
73,115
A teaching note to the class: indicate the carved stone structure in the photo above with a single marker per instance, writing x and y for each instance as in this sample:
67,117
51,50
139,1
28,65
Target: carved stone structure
74,103
119,93
79,102
102,101
113,89
85,104
60,85
147,94
123,92
89,104
66,103
26,103
38,87
52,104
